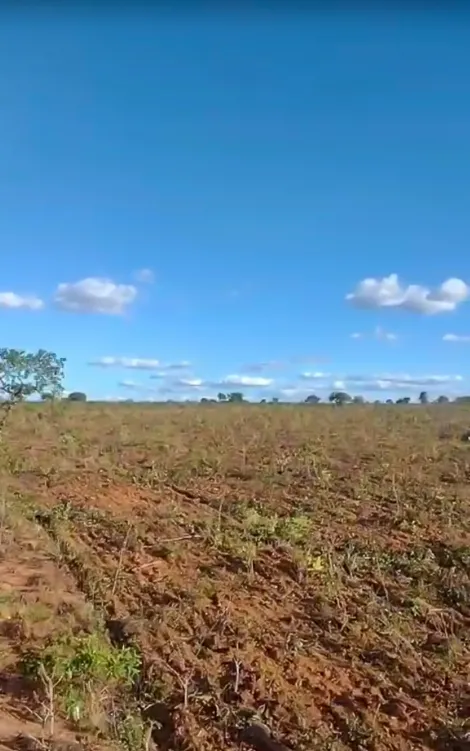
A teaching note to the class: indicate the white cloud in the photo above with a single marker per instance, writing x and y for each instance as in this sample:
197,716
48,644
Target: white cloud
192,388
94,295
389,293
230,381
145,276
14,301
139,363
368,382
318,376
246,381
356,335
456,338
191,382
133,363
395,382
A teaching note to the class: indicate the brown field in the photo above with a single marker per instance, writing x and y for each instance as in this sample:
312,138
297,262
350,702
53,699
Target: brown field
169,574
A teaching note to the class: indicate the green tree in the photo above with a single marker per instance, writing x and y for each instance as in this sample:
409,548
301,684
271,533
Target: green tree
77,396
359,400
25,374
222,397
235,396
403,400
442,399
312,399
423,397
275,400
339,397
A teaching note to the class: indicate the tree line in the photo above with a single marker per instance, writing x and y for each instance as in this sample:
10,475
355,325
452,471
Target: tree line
24,375
336,397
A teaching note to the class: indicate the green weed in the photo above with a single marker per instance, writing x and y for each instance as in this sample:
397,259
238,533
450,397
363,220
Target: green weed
81,672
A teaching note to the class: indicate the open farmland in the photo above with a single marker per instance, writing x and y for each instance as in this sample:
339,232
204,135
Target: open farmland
170,573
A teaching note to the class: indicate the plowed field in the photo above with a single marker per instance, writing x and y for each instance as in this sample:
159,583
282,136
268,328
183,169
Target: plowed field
305,567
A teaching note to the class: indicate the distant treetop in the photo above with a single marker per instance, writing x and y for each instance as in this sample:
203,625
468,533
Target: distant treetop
77,396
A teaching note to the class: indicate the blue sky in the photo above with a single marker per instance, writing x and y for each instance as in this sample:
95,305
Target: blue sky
261,166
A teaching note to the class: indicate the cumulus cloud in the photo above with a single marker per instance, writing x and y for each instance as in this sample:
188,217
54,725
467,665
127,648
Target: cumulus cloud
456,338
139,363
144,276
17,302
93,295
388,292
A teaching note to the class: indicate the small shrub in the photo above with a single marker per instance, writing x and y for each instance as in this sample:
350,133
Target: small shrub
82,670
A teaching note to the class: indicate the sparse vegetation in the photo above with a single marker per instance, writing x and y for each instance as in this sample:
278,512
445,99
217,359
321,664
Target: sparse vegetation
169,572
81,676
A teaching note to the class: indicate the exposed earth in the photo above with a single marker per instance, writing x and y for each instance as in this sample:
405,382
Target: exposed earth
170,575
